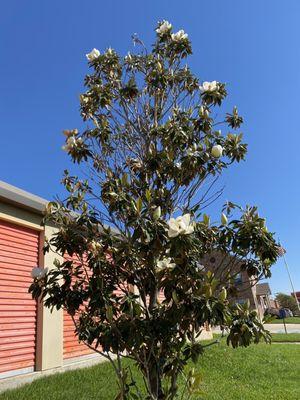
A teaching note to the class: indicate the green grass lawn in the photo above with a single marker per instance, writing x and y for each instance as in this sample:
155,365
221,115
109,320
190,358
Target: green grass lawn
270,372
283,337
289,320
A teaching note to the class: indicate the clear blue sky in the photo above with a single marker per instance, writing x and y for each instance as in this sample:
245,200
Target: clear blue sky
253,45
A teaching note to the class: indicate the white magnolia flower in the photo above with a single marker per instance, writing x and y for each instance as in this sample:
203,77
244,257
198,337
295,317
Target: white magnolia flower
72,142
179,36
165,263
164,28
209,86
217,151
135,163
190,152
95,53
84,98
38,273
68,132
200,267
94,246
178,165
180,226
128,57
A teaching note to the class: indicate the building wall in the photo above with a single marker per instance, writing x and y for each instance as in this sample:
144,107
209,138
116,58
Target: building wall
49,351
49,324
246,289
19,216
297,295
49,331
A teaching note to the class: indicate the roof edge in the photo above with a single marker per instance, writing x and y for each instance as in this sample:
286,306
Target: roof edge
13,195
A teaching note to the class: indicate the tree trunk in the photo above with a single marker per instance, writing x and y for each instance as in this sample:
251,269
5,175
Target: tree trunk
154,379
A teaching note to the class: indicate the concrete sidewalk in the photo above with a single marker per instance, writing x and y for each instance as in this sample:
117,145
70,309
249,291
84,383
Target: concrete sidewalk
273,328
279,328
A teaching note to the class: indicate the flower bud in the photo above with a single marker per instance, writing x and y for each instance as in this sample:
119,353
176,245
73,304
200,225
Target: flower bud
206,219
217,151
223,294
128,57
224,219
159,67
157,213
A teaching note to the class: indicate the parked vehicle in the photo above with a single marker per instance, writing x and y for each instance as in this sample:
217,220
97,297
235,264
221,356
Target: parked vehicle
288,312
274,312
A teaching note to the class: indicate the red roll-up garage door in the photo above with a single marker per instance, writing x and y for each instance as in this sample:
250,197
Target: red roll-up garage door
19,252
72,347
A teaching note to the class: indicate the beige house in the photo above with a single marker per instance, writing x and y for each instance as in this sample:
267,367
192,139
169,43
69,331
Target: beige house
263,294
258,294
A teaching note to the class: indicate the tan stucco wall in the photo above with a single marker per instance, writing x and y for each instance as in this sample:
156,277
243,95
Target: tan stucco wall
19,216
49,324
49,342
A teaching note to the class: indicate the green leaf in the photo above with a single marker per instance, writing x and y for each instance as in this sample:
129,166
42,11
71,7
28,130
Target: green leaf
139,205
124,179
148,195
174,297
206,219
109,313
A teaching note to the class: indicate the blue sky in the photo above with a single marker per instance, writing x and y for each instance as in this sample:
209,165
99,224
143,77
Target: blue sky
251,45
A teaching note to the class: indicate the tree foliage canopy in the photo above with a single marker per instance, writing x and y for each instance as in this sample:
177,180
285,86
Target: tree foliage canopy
134,221
287,301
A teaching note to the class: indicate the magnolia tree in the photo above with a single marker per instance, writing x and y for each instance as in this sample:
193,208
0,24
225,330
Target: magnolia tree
133,225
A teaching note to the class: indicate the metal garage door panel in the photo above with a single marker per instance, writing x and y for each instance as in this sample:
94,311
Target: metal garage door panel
19,252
